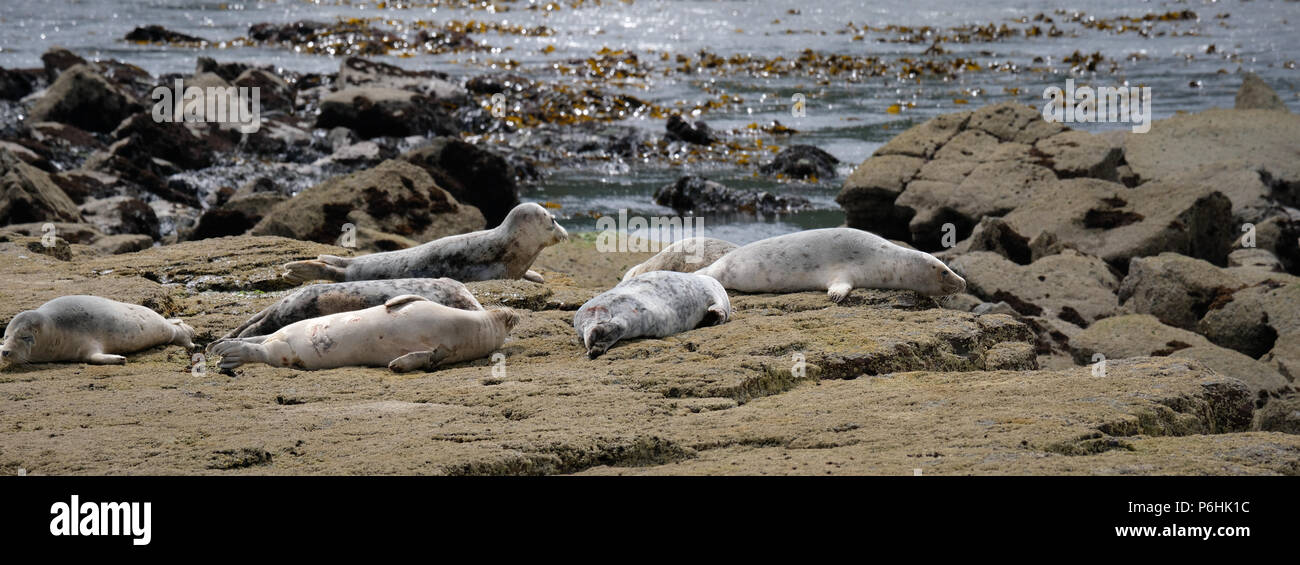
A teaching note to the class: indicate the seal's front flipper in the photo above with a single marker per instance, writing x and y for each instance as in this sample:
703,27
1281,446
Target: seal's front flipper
838,291
426,360
303,271
334,260
106,359
238,352
398,301
531,275
182,333
717,315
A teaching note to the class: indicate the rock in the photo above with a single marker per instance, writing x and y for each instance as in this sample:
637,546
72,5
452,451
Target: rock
996,235
361,153
1285,356
358,72
1015,122
224,264
293,33
227,71
1000,307
801,162
58,59
680,130
1133,335
1175,289
1251,319
160,34
698,195
1264,138
1011,356
274,93
1255,258
241,212
1281,415
1079,154
1264,381
83,98
374,112
1116,223
870,191
78,233
121,215
28,194
992,189
17,83
1070,286
396,197
924,140
960,302
123,243
1255,94
142,139
474,175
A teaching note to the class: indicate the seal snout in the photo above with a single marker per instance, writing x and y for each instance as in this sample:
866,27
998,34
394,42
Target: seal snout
951,283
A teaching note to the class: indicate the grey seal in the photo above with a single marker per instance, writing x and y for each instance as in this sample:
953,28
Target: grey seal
88,329
503,252
836,260
317,300
406,333
685,256
655,304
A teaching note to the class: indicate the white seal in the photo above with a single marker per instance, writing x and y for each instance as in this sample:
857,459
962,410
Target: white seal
685,256
406,333
655,304
503,252
88,329
836,260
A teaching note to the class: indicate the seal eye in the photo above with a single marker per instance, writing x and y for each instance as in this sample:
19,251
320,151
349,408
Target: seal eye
29,339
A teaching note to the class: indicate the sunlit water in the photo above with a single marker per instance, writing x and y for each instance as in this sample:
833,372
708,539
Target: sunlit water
849,120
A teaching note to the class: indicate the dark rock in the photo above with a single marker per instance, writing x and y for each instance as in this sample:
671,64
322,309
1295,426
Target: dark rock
28,194
159,34
17,83
57,59
356,72
374,112
84,98
800,162
680,130
121,215
698,195
474,175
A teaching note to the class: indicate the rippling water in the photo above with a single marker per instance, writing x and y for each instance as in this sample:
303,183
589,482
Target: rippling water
847,118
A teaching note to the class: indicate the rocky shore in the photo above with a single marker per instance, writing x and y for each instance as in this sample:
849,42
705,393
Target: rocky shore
1133,300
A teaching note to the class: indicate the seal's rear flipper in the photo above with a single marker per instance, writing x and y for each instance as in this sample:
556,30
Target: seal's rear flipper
716,315
531,275
183,334
303,271
426,360
334,260
398,301
238,352
838,291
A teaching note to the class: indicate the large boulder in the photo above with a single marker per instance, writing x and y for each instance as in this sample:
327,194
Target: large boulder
243,210
992,188
83,98
1080,154
1251,319
1264,138
396,197
375,112
1133,335
1177,290
1281,415
118,215
1116,223
870,191
1255,94
1264,381
28,194
1069,286
698,195
474,175
1285,356
274,93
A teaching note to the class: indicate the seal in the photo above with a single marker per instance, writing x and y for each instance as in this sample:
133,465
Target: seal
503,252
836,260
88,329
318,300
655,304
405,333
685,256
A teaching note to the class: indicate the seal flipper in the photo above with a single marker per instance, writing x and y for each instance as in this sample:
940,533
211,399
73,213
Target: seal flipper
105,359
182,333
838,290
249,324
398,301
303,271
238,352
531,275
717,315
427,360
334,260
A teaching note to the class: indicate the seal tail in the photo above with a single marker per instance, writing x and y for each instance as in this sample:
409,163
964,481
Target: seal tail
235,353
302,271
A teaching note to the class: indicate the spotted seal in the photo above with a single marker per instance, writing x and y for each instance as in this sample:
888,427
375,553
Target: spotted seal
503,252
654,304
317,300
685,256
406,333
836,260
88,329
